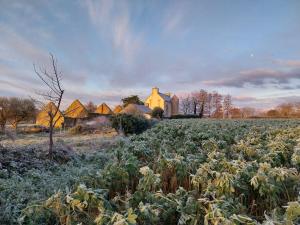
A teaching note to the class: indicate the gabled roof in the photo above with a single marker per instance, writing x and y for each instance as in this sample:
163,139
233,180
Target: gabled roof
103,109
76,110
174,97
136,109
118,109
43,118
165,97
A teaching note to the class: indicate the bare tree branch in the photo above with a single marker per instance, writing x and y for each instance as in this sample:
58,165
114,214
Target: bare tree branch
54,94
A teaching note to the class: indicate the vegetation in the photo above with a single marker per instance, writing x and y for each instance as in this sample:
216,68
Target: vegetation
91,107
212,104
78,129
178,172
15,110
157,112
53,93
133,99
130,124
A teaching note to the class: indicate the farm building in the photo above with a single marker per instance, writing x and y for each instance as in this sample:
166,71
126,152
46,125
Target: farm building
104,109
118,109
76,113
169,104
43,118
76,110
135,109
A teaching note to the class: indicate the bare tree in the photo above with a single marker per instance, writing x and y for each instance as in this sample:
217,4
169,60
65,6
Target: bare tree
216,104
194,102
4,109
273,113
185,103
227,105
247,112
91,107
209,104
52,82
202,101
20,110
235,112
286,109
297,110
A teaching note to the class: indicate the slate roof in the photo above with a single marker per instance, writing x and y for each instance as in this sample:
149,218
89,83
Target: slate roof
165,97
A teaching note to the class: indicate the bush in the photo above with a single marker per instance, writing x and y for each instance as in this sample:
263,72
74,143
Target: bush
188,116
130,124
34,129
157,112
78,129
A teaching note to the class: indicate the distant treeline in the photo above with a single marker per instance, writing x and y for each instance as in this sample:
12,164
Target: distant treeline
212,104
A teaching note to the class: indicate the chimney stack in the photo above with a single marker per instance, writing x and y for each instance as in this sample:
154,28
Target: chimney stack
155,90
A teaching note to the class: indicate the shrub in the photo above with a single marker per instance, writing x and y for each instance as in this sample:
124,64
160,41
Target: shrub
78,129
187,116
130,124
157,112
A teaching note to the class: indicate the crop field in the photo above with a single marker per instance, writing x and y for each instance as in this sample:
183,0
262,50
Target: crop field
178,172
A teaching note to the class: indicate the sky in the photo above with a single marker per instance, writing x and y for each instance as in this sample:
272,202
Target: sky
109,49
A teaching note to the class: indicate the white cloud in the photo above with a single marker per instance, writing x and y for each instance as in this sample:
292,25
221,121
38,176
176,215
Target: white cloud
112,18
288,63
15,45
175,18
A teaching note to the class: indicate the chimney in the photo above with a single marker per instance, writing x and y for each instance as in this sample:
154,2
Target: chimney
155,90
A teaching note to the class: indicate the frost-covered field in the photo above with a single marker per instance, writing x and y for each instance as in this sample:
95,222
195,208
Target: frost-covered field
179,172
79,143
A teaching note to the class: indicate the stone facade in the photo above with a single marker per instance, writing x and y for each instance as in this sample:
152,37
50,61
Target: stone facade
169,104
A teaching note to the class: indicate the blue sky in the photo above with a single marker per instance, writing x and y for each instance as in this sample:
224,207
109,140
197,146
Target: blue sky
111,49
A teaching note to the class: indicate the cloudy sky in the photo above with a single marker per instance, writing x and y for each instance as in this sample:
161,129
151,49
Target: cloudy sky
111,49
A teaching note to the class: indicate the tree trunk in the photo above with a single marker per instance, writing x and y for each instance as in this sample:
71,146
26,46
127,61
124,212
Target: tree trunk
2,127
201,111
51,143
195,108
51,138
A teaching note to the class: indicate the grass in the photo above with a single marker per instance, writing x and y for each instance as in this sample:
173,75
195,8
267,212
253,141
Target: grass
27,176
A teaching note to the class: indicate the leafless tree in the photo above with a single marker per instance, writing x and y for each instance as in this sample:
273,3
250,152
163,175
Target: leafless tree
297,110
286,109
20,110
209,104
235,112
185,104
4,110
216,104
273,113
227,105
54,93
247,112
194,102
91,107
202,101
